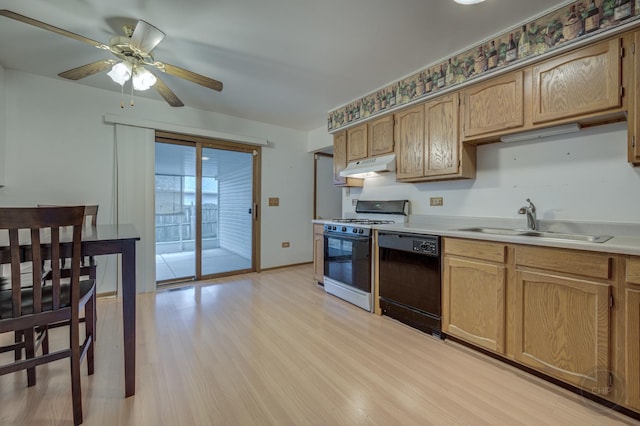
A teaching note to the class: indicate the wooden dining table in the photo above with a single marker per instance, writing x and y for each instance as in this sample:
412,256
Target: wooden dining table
96,241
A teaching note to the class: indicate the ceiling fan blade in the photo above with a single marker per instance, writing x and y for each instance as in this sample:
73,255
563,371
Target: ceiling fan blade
39,24
87,70
189,75
146,37
167,94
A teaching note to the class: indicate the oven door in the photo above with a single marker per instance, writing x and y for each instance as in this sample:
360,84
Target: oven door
347,259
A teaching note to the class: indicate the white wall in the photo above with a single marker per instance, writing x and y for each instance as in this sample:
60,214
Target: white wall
328,196
319,140
3,125
58,150
583,176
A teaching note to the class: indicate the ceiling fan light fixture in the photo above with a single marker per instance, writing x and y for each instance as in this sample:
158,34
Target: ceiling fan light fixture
143,79
468,1
120,73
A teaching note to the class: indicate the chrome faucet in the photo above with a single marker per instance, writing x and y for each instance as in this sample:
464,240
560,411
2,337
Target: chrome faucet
530,211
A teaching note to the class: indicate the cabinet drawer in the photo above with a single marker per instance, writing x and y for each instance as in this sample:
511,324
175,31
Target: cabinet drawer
593,265
493,252
633,270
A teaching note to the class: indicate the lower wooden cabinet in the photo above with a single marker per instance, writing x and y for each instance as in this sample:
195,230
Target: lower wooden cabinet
632,347
474,307
573,315
318,252
562,328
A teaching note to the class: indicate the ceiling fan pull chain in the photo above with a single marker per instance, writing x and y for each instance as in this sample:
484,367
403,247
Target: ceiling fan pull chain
122,96
131,92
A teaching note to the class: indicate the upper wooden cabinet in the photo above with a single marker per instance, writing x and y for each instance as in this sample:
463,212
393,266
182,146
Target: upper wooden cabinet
441,136
381,136
409,130
585,81
340,161
357,143
495,105
428,146
634,105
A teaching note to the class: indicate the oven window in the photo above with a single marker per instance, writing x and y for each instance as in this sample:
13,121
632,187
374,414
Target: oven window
348,260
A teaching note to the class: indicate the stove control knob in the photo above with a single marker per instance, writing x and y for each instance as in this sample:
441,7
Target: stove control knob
334,227
355,230
344,229
361,231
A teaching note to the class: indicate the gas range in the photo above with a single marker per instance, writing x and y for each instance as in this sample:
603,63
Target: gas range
348,251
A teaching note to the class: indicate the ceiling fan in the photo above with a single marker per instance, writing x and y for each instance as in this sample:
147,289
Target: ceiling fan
134,51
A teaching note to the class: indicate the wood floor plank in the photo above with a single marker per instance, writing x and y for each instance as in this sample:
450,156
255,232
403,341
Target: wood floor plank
275,349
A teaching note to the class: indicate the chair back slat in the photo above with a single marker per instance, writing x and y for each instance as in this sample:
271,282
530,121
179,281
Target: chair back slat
55,263
16,283
45,240
36,270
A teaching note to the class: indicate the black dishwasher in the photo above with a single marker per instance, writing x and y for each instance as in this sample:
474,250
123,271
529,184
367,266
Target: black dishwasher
409,279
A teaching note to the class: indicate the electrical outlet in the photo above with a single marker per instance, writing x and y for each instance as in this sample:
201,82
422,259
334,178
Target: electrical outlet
274,201
285,244
436,201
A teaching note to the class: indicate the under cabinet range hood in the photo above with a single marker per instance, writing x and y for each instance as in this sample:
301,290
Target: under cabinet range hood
363,168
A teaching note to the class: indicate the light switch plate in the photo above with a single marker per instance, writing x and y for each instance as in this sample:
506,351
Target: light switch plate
436,201
274,201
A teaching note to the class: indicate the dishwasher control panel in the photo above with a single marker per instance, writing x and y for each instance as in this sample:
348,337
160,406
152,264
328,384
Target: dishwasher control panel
428,246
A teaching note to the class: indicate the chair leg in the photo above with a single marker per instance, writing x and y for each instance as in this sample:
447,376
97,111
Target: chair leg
30,353
90,330
76,393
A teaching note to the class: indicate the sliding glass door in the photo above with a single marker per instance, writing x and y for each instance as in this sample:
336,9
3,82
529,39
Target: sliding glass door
206,217
227,211
175,218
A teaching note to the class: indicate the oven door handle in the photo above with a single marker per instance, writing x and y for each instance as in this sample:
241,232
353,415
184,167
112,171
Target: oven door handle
345,237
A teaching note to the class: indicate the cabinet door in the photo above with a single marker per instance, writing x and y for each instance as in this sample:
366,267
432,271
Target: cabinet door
493,106
632,348
634,120
585,81
409,130
474,302
318,253
441,136
340,161
562,328
339,157
357,143
381,136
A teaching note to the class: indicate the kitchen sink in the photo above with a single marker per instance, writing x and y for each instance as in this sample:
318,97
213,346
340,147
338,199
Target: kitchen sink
540,234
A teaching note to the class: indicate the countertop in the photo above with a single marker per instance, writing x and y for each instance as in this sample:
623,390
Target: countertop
626,236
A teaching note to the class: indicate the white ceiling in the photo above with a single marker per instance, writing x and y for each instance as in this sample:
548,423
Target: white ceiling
284,62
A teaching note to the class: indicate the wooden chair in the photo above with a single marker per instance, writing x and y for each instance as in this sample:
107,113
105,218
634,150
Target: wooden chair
25,308
88,266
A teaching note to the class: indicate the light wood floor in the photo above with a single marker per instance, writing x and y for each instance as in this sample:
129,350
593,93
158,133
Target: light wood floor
274,349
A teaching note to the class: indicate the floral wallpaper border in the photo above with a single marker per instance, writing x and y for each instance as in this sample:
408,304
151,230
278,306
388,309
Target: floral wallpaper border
566,24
